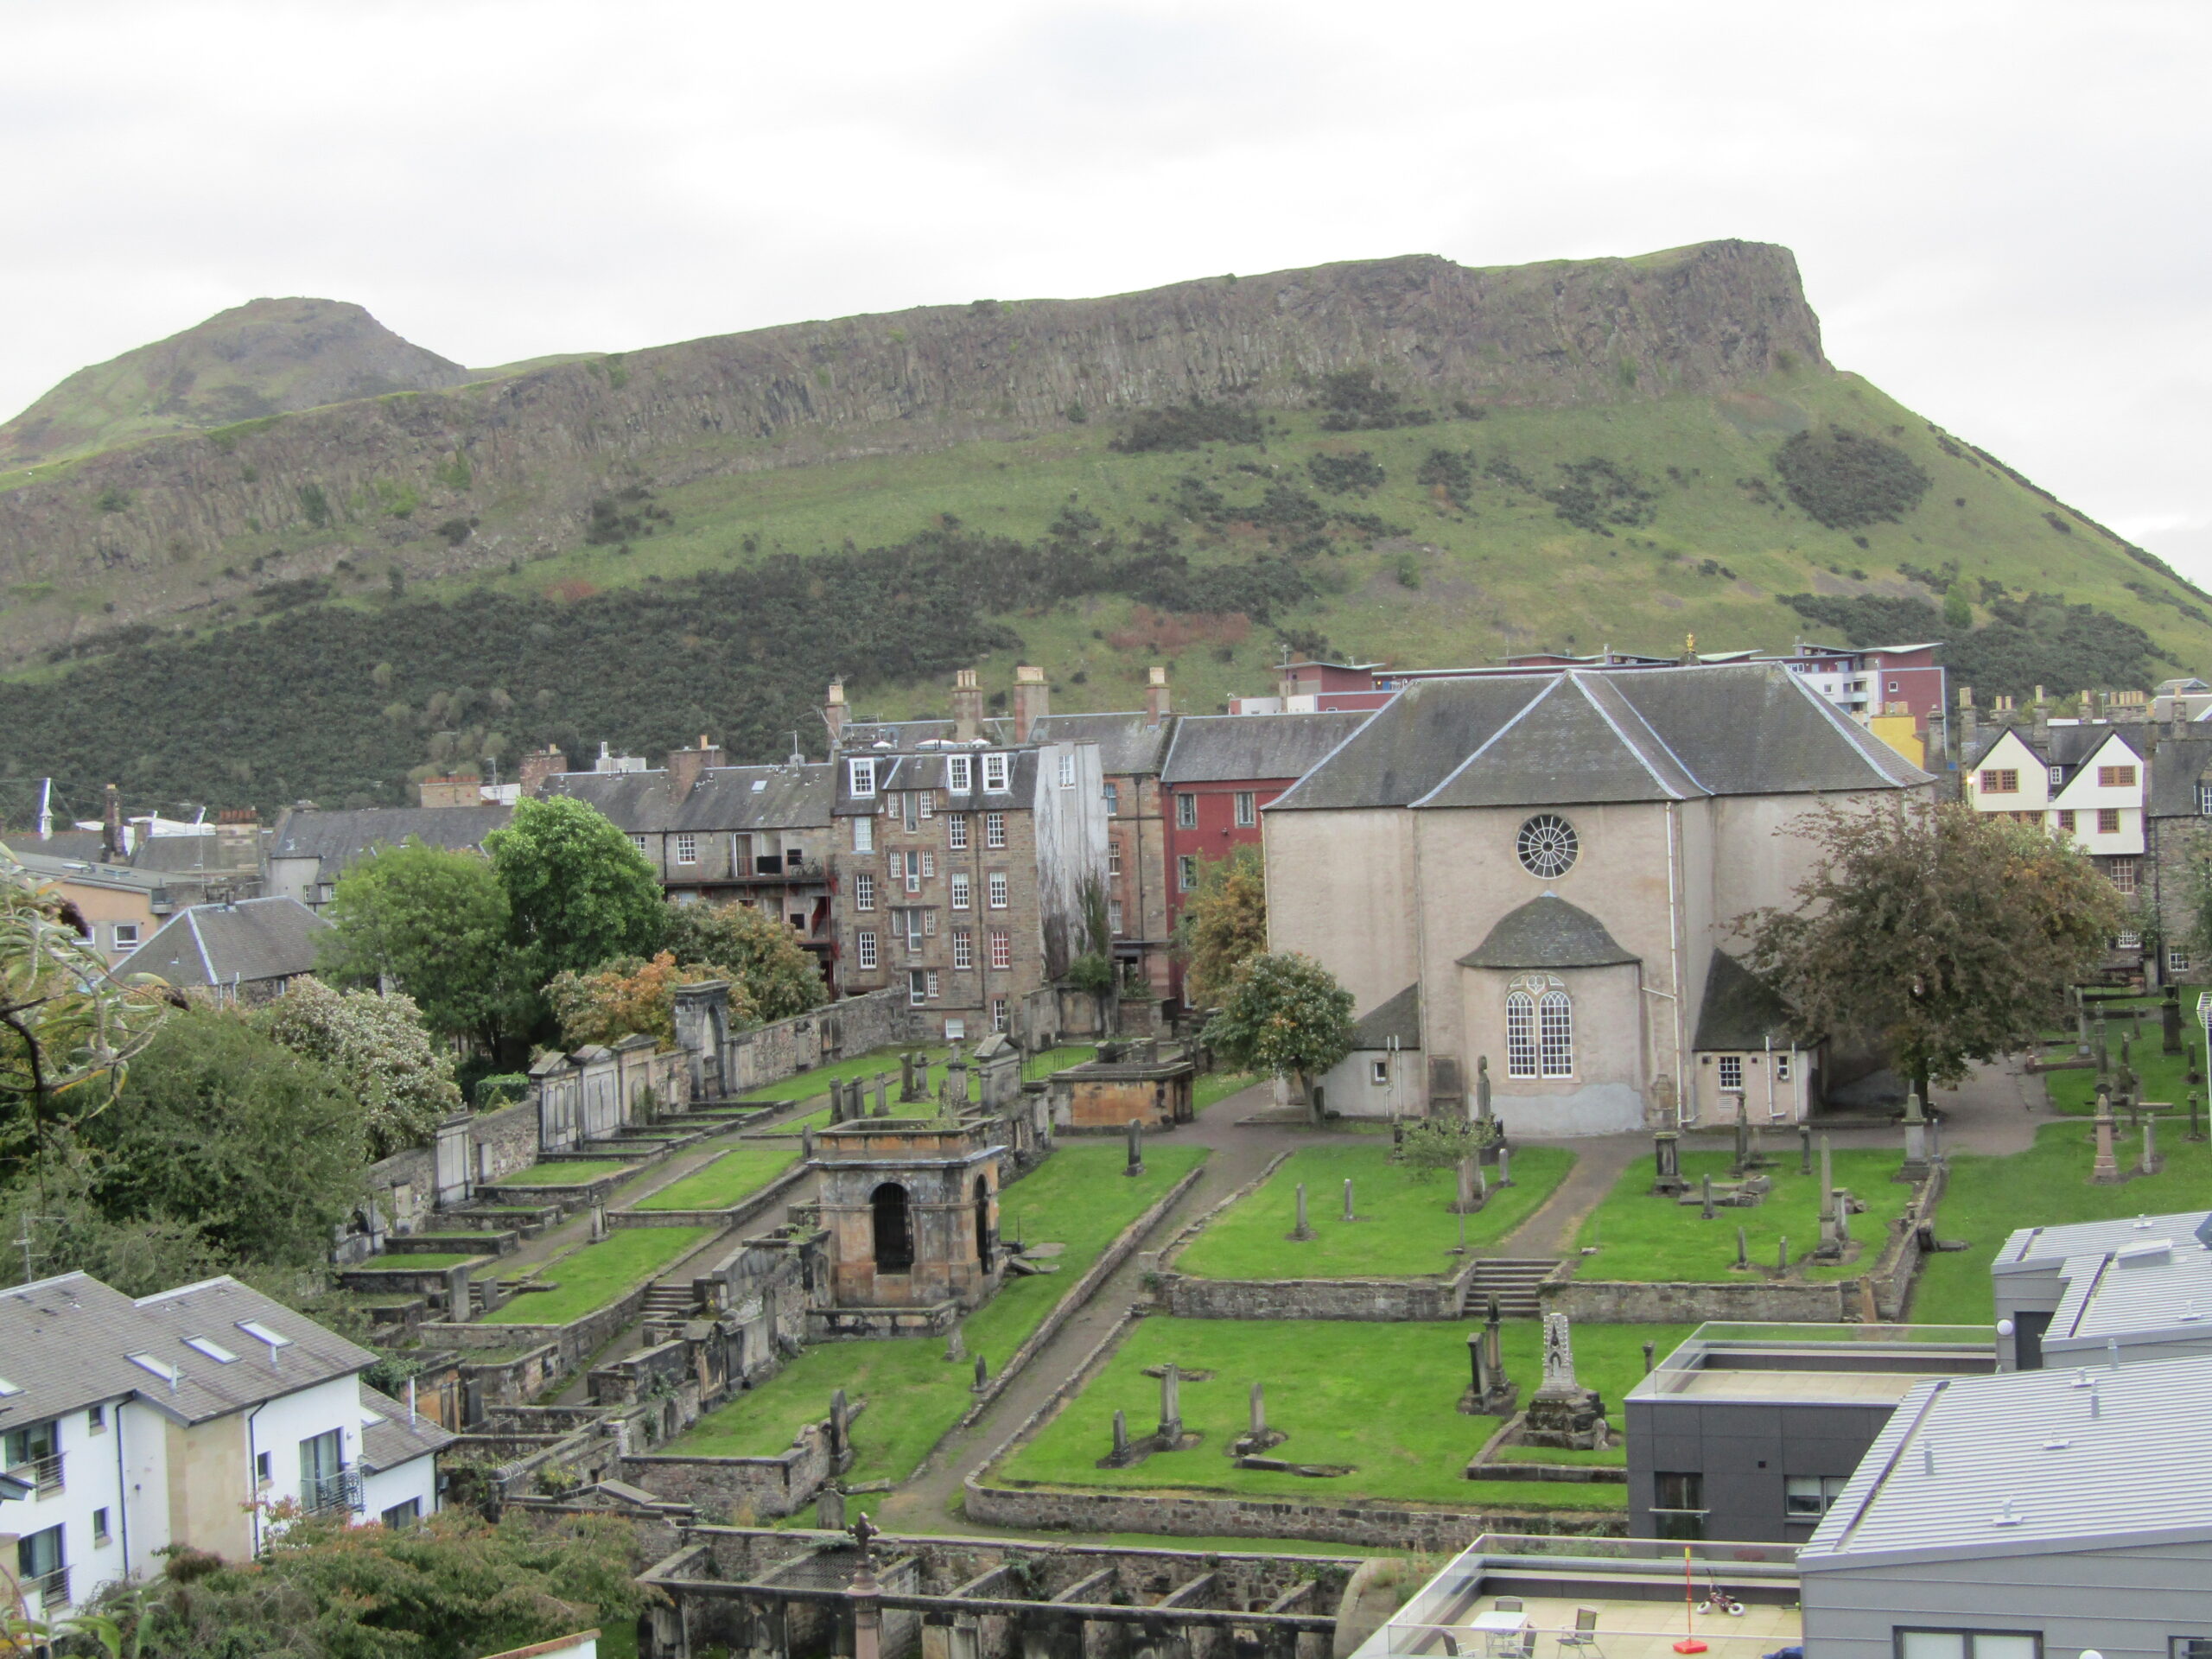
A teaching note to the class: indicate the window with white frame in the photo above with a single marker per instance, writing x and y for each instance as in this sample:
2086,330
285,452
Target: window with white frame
1067,768
929,802
1114,859
959,884
1113,799
1187,810
860,775
998,1013
929,924
864,947
930,979
1247,812
864,833
687,849
955,832
929,866
994,828
995,883
126,936
997,774
863,890
1001,950
638,841
963,949
2128,942
1538,1029
918,986
1731,1071
2204,800
1378,1073
2176,958
1520,1034
1187,872
1555,1033
910,863
960,774
907,924
1112,916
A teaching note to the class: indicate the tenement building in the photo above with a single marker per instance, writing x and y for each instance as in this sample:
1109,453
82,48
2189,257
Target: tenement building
1554,863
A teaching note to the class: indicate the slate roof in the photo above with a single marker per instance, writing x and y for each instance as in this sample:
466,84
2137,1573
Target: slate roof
1660,733
65,1344
1226,749
1400,1017
122,877
862,736
2063,746
1128,744
900,770
1740,1011
197,854
2178,764
735,798
339,839
216,944
388,1439
62,843
1547,932
2138,1473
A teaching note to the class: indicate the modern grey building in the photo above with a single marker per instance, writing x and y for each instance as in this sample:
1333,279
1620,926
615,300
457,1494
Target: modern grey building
2024,1515
1751,1431
2066,1295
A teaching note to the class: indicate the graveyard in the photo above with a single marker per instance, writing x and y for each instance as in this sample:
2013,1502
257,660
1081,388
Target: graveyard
2146,1050
735,1175
1403,1220
592,1276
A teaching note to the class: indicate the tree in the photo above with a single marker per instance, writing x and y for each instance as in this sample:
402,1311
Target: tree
1946,935
1092,971
777,975
1285,1014
452,1584
435,924
578,892
220,1128
378,1045
629,997
1224,924
68,1027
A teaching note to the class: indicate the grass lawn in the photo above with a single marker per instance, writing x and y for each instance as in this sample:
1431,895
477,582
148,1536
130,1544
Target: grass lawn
1404,1227
2046,1185
1646,1238
1079,1198
597,1274
409,1261
1057,1059
2163,1076
575,1173
804,1086
736,1173
1383,1398
1217,1086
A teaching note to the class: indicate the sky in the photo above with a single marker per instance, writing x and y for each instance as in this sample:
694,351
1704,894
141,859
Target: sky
1997,209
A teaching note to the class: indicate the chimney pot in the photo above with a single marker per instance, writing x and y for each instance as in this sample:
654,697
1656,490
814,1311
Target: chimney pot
539,765
834,713
967,706
1155,695
1032,701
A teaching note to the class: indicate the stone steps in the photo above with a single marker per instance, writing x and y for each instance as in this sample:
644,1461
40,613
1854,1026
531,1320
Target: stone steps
1512,1281
670,1302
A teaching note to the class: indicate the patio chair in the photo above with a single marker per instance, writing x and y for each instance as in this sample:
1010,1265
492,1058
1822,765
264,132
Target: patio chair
1583,1638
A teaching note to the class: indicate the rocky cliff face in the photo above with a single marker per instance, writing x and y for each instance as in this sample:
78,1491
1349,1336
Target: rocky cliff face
264,358
529,452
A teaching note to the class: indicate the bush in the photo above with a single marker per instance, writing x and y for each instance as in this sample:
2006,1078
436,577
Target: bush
1450,473
1355,473
1598,493
1354,400
1186,426
500,1088
1845,480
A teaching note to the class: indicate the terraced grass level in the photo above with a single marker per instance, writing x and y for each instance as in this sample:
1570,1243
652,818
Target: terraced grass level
577,1172
730,1178
588,1279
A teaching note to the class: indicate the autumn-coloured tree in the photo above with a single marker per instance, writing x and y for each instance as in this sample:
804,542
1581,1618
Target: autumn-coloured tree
629,997
778,975
1224,923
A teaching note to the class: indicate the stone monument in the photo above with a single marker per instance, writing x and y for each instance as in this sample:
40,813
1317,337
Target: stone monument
1135,1165
1667,1161
1562,1413
1915,1140
1301,1232
2105,1171
1490,1393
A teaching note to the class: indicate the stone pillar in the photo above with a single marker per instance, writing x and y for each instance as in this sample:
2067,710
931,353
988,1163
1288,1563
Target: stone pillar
1705,1211
1301,1232
2196,1127
1667,1163
1135,1166
955,1344
1743,1128
1505,1164
1348,1214
2099,1038
1171,1406
1804,1148
2080,1024
2151,1161
982,1374
907,1086
1259,1419
1121,1436
1915,1140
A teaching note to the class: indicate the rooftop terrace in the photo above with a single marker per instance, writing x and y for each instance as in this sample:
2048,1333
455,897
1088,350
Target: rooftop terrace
1871,1364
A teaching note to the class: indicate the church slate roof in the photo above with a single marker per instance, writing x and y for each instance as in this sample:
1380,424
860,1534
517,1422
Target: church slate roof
1548,932
2178,767
1130,745
1220,748
1649,734
1400,1017
1740,1011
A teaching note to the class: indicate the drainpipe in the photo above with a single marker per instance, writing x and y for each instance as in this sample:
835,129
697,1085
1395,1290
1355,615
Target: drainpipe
1675,952
252,1483
121,1491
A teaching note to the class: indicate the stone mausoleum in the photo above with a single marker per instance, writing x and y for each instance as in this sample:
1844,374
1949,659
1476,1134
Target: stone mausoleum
910,1207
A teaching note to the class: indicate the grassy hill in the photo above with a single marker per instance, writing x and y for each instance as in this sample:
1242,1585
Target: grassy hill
716,584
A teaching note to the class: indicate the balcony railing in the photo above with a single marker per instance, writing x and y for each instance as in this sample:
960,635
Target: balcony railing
43,1474
331,1494
51,1589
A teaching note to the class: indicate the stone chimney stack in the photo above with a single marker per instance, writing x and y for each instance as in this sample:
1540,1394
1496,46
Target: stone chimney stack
453,789
539,765
2042,720
967,706
1155,695
1968,730
115,846
1032,701
684,766
834,713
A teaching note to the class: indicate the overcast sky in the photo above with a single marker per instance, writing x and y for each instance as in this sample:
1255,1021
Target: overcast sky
1999,209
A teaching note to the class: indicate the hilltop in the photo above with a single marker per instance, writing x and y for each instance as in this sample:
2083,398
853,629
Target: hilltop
267,357
1403,458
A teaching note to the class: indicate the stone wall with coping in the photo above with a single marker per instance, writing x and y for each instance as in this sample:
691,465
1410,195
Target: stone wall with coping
746,1210
765,1488
838,1030
403,1188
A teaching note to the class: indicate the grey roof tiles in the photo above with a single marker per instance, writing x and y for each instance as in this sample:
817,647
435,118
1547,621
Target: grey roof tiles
1741,1012
252,940
738,798
1547,932
1220,748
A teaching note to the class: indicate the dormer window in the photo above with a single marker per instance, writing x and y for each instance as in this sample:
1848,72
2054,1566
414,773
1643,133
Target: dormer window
995,774
861,774
959,774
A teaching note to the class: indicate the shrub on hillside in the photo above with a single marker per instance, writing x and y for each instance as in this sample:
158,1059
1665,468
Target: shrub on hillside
1355,473
1846,480
1355,400
1598,492
1186,426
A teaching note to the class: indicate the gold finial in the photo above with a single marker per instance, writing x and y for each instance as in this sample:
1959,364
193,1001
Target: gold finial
1689,644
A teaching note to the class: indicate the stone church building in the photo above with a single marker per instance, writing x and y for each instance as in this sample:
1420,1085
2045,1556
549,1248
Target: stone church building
1551,865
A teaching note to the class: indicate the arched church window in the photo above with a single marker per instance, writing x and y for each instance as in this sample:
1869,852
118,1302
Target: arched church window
894,1229
1555,1033
1547,846
1520,1034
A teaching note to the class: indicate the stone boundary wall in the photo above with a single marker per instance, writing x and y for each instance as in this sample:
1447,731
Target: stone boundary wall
1879,1292
770,1487
1378,1299
770,1053
747,1208
1076,1299
403,1188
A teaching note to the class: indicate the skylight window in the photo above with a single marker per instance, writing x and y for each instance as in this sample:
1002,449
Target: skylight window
214,1349
261,1332
160,1368
8,1388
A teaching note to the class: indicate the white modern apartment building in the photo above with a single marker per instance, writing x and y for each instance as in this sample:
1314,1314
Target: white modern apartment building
183,1418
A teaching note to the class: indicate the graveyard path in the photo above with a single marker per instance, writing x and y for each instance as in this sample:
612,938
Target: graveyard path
1598,1161
926,1503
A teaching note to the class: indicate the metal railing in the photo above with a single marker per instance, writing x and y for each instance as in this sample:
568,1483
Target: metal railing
331,1494
43,1474
51,1589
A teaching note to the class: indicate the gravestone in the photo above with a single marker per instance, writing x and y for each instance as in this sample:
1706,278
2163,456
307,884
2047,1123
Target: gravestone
2151,1158
830,1509
1348,1212
806,1143
1490,1133
2196,1127
1505,1164
1490,1393
1257,1436
1804,1148
841,1443
1135,1166
1781,1254
955,1093
955,1344
1301,1232
2100,1042
1171,1405
883,1094
1121,1433
1830,1248
2169,1020
1667,1161
2105,1170
1915,1140
1706,1212
2080,1024
1562,1413
906,1087
1743,1127
1470,1197
982,1374
1743,1252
